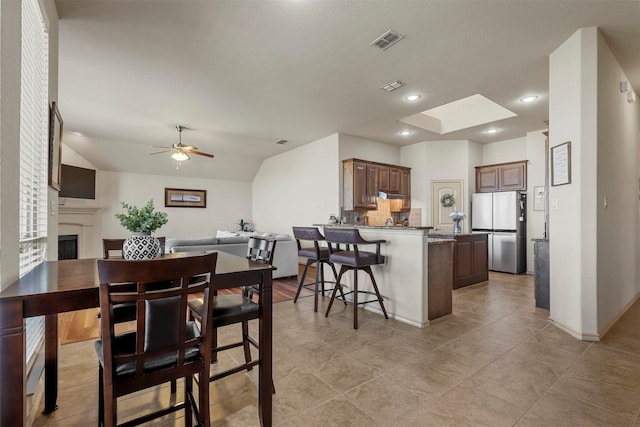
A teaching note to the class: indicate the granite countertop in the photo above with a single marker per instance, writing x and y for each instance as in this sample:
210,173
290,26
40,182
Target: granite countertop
440,240
378,227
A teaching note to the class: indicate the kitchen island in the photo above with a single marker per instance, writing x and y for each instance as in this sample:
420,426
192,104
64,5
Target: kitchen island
471,258
414,290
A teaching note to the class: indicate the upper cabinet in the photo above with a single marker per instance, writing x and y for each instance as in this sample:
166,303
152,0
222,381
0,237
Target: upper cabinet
389,179
362,180
501,177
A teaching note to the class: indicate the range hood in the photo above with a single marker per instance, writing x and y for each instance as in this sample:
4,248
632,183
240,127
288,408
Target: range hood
390,196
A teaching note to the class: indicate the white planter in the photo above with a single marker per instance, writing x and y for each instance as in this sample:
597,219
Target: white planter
141,246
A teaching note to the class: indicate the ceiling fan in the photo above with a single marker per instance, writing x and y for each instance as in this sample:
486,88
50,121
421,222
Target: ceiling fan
181,151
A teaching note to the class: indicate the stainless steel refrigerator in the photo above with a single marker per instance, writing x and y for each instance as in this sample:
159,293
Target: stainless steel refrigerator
503,216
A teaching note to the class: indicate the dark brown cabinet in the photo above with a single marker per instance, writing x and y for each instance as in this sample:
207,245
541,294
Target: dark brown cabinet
501,177
362,180
441,276
360,185
471,259
405,188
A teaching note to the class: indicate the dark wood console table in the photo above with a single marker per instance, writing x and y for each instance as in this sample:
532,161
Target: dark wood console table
59,286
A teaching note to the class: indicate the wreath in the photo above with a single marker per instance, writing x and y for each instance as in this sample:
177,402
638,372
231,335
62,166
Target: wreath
447,200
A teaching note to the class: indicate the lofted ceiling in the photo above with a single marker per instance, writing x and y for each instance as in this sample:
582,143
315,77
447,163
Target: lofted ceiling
241,74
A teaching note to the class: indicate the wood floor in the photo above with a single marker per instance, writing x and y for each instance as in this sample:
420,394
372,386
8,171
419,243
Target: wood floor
83,324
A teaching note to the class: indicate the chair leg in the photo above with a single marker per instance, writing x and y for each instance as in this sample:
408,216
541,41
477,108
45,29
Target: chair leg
100,396
355,298
245,341
110,408
304,274
375,288
203,396
315,286
335,290
188,411
174,387
335,275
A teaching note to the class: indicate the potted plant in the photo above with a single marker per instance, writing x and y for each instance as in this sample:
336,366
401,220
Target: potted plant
244,225
141,222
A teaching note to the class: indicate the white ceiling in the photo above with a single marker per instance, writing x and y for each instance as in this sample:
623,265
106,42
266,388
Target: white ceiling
243,74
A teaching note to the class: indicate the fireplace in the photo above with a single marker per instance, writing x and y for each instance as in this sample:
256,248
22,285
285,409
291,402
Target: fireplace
68,246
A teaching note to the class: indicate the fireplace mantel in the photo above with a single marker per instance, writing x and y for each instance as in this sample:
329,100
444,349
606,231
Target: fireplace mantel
80,220
77,210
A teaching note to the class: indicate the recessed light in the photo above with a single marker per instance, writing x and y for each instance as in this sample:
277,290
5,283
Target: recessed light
406,133
76,133
529,98
492,130
413,97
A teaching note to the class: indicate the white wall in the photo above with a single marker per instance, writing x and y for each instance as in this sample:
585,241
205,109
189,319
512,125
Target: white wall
440,160
298,187
618,231
535,178
10,13
511,150
572,218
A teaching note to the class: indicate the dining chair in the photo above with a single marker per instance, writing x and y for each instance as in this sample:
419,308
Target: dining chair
237,308
355,260
165,345
109,245
316,254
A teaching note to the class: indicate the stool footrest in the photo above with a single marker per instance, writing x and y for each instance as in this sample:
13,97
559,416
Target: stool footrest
365,292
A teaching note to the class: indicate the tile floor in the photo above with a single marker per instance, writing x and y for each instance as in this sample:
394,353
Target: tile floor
494,362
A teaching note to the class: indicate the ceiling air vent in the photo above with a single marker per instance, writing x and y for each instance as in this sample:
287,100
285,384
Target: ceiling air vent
387,40
281,141
391,86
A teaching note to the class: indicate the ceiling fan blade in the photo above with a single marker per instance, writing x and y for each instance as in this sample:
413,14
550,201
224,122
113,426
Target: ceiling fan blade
159,152
188,147
160,146
200,153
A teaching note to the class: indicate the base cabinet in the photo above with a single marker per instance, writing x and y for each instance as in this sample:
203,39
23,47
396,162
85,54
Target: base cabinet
440,279
541,273
471,259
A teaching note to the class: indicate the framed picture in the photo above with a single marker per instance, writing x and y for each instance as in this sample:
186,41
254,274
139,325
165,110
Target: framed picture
55,146
561,164
181,198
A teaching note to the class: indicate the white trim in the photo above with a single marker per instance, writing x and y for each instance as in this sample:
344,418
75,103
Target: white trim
604,330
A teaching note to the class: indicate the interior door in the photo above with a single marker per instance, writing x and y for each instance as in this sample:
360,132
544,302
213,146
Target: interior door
440,220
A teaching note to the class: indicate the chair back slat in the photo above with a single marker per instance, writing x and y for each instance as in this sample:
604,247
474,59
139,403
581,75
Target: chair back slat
159,289
261,250
109,245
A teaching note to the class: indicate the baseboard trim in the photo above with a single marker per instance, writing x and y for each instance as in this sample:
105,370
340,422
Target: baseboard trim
575,334
603,331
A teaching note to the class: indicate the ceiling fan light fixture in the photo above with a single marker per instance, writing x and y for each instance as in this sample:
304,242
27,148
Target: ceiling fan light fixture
180,156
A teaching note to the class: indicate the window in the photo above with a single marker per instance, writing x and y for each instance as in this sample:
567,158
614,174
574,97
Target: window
34,119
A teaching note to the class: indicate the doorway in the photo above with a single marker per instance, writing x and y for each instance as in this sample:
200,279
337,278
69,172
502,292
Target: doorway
439,212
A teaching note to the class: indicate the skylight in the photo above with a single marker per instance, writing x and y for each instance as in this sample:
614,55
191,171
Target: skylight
464,113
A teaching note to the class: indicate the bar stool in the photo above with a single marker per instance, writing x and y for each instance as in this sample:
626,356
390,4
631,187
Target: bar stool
353,260
318,255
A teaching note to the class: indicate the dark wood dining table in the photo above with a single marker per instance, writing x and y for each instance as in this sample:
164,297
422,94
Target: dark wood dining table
59,286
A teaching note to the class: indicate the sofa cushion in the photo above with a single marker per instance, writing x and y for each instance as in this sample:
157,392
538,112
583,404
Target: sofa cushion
204,241
234,239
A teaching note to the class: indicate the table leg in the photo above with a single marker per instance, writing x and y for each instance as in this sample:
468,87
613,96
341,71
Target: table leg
265,388
50,363
12,369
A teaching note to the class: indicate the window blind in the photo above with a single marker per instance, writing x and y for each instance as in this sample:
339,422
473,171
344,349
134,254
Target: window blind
34,119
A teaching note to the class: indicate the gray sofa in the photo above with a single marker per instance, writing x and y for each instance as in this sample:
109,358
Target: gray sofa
285,258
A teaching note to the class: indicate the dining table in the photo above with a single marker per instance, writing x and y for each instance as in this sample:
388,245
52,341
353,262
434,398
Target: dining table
55,287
